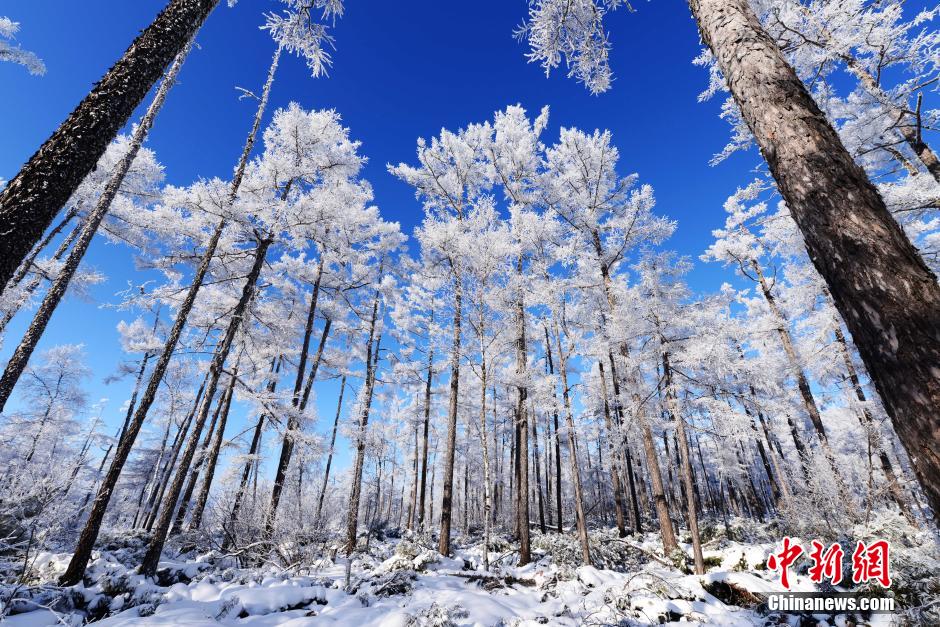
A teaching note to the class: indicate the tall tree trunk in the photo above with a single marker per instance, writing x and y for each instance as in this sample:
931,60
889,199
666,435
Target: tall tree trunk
195,520
352,516
888,298
550,365
686,464
32,199
573,452
525,552
152,558
487,506
539,489
329,459
448,488
413,498
796,366
21,355
427,421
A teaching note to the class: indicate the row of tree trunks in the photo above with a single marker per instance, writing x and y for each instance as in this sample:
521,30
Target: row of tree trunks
251,460
151,559
86,541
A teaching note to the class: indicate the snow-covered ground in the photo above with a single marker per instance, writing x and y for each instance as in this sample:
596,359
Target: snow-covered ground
404,582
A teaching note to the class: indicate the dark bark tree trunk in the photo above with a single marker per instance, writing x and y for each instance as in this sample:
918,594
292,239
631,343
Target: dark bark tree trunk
424,446
31,200
30,260
614,458
888,298
34,283
551,373
152,558
539,488
293,420
27,345
522,450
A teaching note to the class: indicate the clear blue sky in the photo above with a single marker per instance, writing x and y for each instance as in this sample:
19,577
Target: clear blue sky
401,70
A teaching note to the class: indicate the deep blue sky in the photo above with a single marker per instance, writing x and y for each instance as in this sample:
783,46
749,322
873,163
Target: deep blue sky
401,70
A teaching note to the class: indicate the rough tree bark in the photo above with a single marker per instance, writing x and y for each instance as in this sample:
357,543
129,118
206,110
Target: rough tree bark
522,427
888,298
86,540
31,200
37,327
427,422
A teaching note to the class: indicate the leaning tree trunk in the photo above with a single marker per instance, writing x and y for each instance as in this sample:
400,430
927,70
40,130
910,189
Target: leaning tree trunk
212,459
894,487
806,393
889,299
27,345
34,283
448,487
198,460
31,200
352,516
86,541
230,535
329,458
30,260
151,559
298,406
